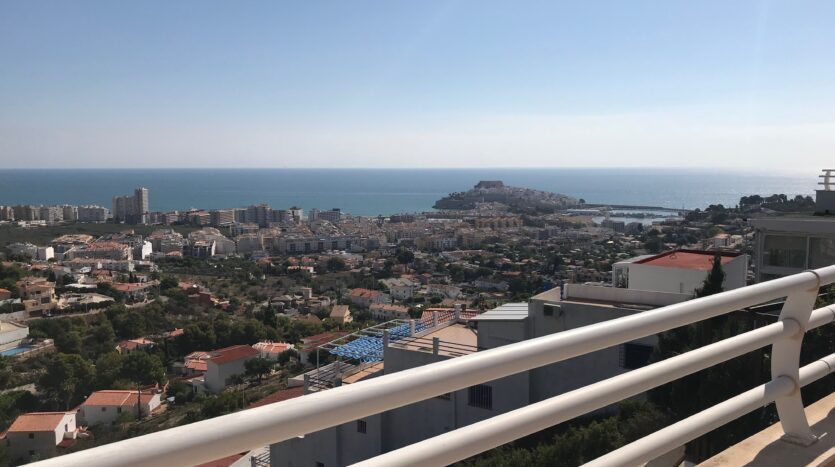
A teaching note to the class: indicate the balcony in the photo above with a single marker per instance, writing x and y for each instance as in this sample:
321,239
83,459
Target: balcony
252,429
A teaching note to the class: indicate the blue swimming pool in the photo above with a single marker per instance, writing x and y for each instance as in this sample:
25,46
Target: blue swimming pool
15,350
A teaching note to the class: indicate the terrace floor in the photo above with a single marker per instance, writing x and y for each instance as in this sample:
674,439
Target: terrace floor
766,449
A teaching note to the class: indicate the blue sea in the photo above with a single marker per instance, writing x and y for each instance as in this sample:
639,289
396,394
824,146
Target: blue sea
385,191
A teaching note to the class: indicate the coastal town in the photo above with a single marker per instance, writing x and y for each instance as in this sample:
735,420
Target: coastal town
121,321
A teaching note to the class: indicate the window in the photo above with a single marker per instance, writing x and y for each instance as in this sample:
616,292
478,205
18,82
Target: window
362,427
480,396
821,252
118,410
784,251
31,453
550,310
634,356
104,409
31,435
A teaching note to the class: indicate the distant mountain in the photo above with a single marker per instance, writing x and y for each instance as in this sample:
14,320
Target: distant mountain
518,199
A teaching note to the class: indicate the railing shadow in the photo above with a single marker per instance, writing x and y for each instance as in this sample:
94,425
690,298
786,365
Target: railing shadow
779,452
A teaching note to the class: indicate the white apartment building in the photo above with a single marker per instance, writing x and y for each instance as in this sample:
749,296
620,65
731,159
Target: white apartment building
92,213
401,288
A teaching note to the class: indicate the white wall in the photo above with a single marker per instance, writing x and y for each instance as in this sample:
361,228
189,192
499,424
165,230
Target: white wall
217,375
681,280
94,415
43,443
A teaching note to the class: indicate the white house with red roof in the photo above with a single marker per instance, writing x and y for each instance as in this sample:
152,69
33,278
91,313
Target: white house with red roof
365,297
679,271
132,345
37,435
106,406
271,350
223,364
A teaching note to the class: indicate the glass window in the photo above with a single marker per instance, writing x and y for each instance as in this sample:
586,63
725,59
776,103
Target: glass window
480,396
362,427
821,252
784,251
634,356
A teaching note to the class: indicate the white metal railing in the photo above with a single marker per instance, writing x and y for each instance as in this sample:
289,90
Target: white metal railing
242,431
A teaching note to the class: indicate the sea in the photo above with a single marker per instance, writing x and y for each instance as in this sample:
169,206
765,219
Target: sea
371,192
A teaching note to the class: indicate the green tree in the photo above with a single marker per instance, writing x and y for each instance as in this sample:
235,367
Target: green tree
142,368
714,280
102,338
66,380
108,370
335,264
69,342
404,256
258,367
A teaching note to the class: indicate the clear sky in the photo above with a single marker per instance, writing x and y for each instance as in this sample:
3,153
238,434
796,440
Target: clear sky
727,84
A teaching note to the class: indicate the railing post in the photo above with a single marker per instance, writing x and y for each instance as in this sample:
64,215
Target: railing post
385,338
785,361
411,328
436,345
434,319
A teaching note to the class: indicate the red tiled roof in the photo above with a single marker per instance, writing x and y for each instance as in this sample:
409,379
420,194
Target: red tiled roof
223,462
283,395
135,343
230,354
196,365
312,342
688,259
272,347
37,421
116,398
364,293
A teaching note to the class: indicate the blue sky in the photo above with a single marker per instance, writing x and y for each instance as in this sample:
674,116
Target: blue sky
743,84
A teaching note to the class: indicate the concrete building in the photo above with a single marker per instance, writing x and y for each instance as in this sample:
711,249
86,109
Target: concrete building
825,195
341,314
69,213
401,288
679,271
26,250
37,295
222,217
132,209
45,253
37,435
388,311
92,213
102,250
12,334
106,406
441,336
223,364
364,298
789,245
51,214
334,216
